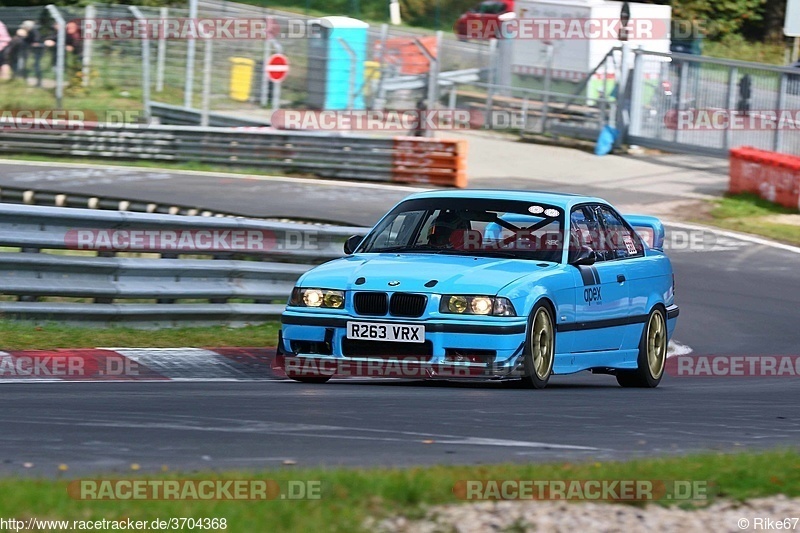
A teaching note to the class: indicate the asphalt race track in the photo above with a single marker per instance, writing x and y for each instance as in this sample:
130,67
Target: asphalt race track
737,298
97,426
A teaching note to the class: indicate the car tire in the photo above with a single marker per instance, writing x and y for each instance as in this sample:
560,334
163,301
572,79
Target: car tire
539,351
652,354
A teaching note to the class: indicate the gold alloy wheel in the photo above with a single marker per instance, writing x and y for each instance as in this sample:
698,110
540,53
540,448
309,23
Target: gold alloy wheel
656,344
542,344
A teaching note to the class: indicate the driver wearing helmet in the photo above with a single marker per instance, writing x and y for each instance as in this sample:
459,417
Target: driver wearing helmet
440,234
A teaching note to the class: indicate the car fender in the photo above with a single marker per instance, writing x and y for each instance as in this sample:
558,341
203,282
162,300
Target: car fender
557,286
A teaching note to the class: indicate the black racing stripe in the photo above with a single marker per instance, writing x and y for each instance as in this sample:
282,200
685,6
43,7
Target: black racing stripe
598,324
329,322
596,275
586,275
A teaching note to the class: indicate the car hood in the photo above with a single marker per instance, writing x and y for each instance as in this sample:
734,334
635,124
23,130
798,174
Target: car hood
454,274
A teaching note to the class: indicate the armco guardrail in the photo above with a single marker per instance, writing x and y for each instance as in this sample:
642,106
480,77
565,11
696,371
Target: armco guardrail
152,269
178,115
27,196
403,159
774,177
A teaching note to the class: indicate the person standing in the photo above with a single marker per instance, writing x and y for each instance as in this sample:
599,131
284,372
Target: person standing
34,49
14,52
5,39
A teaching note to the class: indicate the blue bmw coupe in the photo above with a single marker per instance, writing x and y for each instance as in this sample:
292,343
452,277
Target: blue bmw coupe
488,284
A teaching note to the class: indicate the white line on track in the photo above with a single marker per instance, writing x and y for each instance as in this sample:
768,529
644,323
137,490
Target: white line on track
479,441
734,235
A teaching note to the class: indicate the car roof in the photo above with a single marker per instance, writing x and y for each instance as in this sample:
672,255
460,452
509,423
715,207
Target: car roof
557,199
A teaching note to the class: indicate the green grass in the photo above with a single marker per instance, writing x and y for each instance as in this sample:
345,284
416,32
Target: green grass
15,94
17,335
736,47
751,214
349,496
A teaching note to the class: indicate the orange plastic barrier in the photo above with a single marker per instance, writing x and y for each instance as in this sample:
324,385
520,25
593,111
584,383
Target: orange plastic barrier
773,176
404,53
432,161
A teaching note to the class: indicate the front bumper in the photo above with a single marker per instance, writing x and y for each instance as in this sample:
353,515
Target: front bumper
504,336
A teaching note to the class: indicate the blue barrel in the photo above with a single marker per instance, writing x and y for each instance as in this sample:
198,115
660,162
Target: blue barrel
333,72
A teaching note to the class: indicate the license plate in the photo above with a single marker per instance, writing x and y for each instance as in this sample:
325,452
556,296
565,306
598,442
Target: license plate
386,332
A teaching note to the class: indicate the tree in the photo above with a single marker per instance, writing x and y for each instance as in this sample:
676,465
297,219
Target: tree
719,18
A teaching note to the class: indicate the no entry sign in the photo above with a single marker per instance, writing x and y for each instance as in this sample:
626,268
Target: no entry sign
277,67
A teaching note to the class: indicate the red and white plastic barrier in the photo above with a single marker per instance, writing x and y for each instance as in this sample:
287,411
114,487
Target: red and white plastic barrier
773,176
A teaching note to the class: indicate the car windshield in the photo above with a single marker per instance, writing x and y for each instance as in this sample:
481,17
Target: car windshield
471,226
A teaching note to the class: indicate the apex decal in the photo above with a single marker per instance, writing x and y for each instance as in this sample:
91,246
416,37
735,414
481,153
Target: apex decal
592,294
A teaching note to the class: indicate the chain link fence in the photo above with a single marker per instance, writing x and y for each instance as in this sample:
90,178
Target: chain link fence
710,105
228,73
673,102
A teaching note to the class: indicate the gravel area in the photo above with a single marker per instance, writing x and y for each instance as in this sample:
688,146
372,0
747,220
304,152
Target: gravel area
557,517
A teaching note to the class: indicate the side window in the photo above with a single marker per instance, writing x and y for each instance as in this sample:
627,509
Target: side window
619,241
582,230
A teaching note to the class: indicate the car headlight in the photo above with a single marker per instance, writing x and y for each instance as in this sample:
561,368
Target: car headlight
476,305
327,298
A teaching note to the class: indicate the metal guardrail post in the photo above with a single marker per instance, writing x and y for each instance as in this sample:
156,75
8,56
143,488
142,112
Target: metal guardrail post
782,86
492,82
190,51
207,64
637,79
682,87
162,49
548,79
622,93
86,69
276,87
264,77
733,75
145,62
433,84
60,44
433,73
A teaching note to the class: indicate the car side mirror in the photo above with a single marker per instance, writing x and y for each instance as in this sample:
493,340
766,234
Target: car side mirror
352,243
585,257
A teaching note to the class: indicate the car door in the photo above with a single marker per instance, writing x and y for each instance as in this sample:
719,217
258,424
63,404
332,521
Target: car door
626,249
602,298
